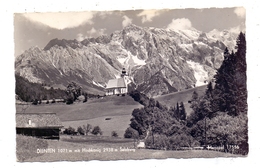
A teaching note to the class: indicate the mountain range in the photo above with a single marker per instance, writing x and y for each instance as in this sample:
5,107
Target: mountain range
159,61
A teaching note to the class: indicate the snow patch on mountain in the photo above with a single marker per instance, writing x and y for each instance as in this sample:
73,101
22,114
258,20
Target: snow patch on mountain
131,60
200,43
122,60
228,37
98,84
186,47
138,61
190,34
199,72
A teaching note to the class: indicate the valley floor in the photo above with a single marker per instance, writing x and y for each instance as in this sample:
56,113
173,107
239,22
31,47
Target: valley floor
85,148
111,113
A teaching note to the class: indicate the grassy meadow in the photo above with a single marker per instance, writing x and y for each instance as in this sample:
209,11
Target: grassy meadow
117,123
93,108
111,113
26,147
182,96
76,148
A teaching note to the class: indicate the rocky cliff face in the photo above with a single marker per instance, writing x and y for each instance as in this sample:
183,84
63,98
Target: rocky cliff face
159,61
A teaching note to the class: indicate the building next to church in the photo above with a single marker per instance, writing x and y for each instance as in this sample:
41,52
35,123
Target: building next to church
41,125
118,86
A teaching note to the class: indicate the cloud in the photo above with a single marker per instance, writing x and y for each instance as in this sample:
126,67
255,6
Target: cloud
180,24
237,29
95,33
104,14
80,37
148,15
240,12
61,20
126,21
91,33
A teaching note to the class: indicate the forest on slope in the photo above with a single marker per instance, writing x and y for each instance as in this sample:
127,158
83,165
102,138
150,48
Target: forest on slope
219,116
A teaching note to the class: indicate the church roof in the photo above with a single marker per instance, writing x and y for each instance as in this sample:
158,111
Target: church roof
116,83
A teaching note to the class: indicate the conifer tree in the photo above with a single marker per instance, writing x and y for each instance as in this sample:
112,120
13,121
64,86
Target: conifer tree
209,90
230,92
177,112
240,74
220,91
182,112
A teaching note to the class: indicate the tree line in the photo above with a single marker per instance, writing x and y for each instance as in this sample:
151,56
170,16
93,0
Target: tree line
160,126
86,130
219,116
35,92
29,91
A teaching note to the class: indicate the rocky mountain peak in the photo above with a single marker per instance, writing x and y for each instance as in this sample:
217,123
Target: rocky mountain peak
159,60
63,43
132,27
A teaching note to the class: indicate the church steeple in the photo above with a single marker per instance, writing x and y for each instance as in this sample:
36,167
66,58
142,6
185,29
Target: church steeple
123,73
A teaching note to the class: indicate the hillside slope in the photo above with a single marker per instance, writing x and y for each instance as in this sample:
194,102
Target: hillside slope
108,106
171,99
111,113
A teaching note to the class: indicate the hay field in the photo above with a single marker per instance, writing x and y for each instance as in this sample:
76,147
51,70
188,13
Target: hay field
111,113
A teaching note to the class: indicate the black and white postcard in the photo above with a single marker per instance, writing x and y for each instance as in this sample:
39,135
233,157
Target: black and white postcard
131,84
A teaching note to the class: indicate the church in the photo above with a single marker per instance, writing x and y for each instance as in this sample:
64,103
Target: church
118,86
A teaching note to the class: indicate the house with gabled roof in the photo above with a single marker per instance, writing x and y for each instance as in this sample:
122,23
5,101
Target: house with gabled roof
41,125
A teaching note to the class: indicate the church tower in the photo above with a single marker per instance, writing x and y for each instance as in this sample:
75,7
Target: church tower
126,78
123,74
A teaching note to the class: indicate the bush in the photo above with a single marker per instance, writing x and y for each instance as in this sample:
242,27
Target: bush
69,100
140,97
96,130
69,131
182,140
175,142
157,142
81,98
114,134
53,101
85,99
80,130
87,128
131,133
35,102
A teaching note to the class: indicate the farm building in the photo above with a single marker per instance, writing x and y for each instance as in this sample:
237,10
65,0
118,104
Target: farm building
119,85
51,101
42,125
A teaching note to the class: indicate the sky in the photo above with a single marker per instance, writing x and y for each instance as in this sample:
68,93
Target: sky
37,29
